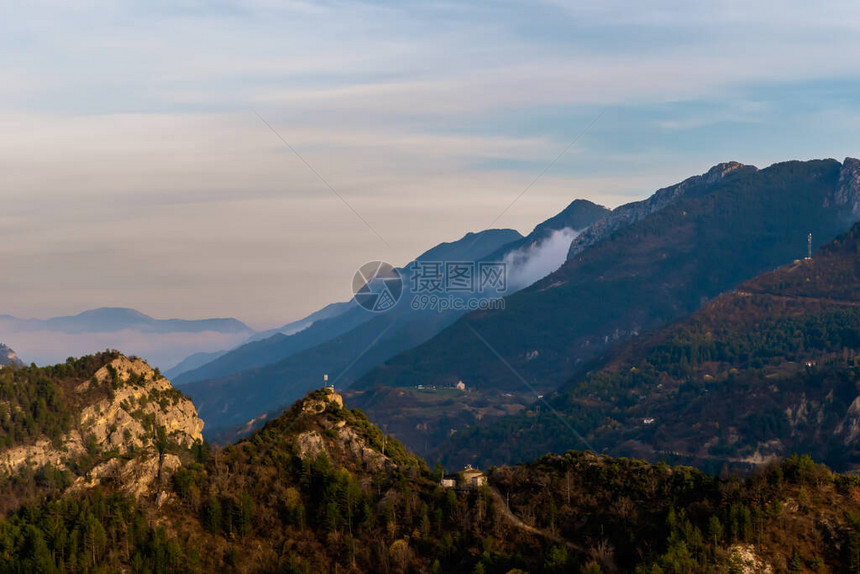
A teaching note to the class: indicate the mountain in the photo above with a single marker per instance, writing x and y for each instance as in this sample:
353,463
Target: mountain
111,319
89,421
322,489
630,213
163,342
331,321
715,235
472,246
759,372
580,215
8,358
327,312
363,339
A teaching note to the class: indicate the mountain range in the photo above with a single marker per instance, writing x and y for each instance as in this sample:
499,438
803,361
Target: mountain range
112,319
720,230
760,372
697,327
621,273
165,342
254,381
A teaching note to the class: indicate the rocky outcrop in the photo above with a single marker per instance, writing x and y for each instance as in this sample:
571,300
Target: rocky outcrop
849,428
138,477
745,559
143,402
130,430
316,405
630,213
357,447
847,194
8,358
310,444
335,437
42,453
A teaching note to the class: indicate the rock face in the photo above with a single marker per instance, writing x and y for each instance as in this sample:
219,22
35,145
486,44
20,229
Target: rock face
847,193
336,438
142,399
633,212
8,358
131,429
849,428
138,476
42,453
315,406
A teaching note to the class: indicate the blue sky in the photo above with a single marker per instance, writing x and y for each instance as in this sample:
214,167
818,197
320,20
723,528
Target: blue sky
136,171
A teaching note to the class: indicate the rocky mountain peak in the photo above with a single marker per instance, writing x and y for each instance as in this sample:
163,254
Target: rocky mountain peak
630,213
320,424
140,395
847,192
8,357
318,402
721,170
128,420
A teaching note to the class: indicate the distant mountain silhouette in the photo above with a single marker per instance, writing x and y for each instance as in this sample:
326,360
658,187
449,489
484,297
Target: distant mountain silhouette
163,342
347,345
110,319
333,320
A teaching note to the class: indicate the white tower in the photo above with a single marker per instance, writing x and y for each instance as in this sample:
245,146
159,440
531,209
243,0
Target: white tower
809,246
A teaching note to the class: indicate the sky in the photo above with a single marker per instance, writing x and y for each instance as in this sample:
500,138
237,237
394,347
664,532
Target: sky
243,159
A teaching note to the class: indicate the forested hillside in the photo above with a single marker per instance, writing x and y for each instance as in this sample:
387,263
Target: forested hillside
321,489
765,370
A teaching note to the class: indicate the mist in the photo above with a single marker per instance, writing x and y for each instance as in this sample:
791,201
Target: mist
529,264
162,350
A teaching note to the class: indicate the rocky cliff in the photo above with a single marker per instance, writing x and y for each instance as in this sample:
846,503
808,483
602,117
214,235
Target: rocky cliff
8,357
847,194
129,425
338,436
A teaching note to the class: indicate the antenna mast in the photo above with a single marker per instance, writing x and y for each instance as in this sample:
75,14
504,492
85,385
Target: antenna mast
809,246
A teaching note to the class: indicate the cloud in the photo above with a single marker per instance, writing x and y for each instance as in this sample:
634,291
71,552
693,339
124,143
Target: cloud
531,263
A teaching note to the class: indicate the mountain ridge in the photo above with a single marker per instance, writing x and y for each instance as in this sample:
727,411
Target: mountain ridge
630,213
780,349
108,319
230,400
640,277
338,320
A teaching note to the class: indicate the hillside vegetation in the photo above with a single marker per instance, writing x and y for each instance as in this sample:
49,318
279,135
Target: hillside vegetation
765,370
322,489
